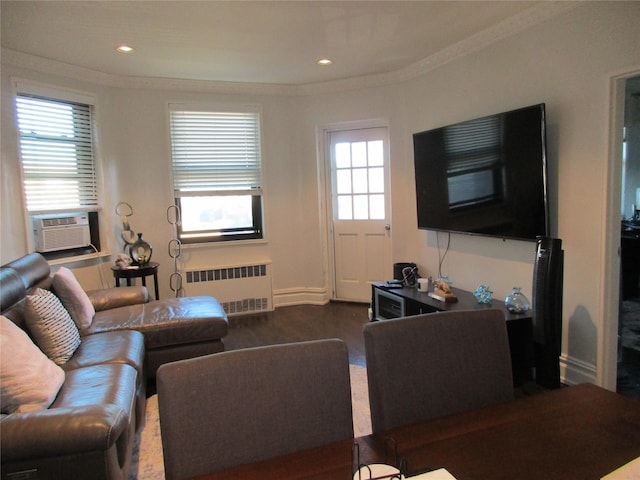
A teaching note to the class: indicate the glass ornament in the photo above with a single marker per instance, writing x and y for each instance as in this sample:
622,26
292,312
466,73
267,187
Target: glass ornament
516,302
483,294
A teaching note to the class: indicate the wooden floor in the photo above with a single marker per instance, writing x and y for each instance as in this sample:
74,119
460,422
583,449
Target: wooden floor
300,323
311,322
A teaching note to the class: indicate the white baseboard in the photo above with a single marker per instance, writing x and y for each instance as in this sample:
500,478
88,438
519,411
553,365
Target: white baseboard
300,296
574,371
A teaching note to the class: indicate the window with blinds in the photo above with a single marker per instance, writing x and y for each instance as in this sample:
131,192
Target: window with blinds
474,162
217,173
56,147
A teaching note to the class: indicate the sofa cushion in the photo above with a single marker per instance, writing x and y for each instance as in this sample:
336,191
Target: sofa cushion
174,321
107,384
114,297
51,326
12,288
122,346
73,297
30,381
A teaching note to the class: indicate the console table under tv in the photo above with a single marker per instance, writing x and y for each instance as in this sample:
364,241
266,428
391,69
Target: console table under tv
390,302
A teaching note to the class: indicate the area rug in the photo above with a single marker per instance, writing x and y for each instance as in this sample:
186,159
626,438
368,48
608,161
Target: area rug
147,462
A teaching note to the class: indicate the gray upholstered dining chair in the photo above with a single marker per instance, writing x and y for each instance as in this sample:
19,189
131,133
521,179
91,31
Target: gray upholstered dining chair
437,364
242,406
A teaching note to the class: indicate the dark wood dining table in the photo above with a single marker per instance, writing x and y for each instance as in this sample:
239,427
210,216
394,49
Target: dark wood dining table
580,432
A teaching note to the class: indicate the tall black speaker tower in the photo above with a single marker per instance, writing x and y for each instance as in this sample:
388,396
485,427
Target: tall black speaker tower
547,310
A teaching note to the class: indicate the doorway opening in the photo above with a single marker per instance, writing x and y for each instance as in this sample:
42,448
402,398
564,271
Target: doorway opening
628,372
358,209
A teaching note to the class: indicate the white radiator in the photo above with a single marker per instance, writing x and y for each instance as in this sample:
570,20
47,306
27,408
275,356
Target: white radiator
240,289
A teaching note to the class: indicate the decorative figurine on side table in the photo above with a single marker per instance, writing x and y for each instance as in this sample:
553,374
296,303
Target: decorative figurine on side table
140,251
442,290
483,294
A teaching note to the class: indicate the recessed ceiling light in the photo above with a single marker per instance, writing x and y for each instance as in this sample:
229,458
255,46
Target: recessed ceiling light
125,49
325,61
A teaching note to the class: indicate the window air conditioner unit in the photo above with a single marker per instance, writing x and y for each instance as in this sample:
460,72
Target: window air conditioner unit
61,232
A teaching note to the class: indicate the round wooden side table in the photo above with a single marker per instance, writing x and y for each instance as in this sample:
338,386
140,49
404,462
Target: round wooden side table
140,271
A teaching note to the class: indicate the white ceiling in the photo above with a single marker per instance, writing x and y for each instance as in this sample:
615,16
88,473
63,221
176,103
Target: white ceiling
248,41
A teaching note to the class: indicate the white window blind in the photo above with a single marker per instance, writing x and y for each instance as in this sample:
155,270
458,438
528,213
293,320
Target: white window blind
474,162
473,145
56,146
215,152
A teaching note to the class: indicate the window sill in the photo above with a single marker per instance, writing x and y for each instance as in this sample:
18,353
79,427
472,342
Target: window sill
228,243
78,258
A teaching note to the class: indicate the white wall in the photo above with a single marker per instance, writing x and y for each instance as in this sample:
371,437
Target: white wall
566,62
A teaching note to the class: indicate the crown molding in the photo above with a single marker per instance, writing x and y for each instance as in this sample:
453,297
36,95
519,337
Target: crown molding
480,40
511,26
489,36
66,70
53,67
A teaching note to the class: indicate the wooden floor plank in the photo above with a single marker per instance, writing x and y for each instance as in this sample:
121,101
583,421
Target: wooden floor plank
301,323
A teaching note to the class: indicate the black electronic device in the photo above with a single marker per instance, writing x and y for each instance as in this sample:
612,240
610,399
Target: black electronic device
547,310
406,273
394,283
485,176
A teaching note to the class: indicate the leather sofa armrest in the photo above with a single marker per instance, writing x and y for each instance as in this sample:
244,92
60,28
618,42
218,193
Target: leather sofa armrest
61,431
114,297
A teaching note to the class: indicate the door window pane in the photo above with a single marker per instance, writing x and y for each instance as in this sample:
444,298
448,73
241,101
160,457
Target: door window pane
360,207
376,153
343,178
376,207
345,211
360,180
359,153
343,155
376,180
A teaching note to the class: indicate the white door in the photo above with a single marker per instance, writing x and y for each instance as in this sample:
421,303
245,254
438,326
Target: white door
360,211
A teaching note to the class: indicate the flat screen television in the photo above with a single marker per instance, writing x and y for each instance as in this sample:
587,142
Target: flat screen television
486,176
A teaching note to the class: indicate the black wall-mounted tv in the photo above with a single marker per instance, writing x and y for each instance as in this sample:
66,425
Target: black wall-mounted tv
486,176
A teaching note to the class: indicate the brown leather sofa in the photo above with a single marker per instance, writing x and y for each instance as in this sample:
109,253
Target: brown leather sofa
88,431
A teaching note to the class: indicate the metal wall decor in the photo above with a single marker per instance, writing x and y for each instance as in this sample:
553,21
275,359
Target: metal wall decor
175,249
124,211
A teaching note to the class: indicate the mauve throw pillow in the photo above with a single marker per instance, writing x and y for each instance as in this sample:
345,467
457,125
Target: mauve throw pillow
51,326
29,380
73,297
